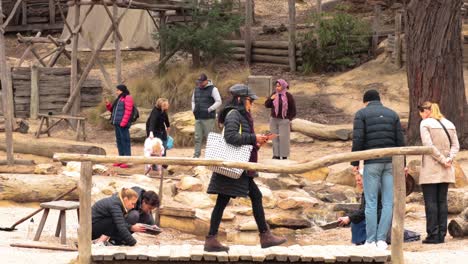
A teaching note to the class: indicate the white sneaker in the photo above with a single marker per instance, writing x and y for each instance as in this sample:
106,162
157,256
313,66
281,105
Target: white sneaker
382,245
370,244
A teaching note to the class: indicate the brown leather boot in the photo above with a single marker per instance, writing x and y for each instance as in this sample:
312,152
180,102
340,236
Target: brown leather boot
212,245
267,239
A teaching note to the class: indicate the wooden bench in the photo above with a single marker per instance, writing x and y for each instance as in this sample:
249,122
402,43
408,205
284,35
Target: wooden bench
63,206
80,126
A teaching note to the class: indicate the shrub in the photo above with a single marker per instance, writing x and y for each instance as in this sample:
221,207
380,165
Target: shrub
177,85
342,37
206,32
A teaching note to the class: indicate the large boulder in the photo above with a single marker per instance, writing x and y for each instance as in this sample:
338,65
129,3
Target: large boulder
297,202
332,193
268,199
457,200
189,183
183,128
277,181
343,177
319,174
289,221
199,200
138,132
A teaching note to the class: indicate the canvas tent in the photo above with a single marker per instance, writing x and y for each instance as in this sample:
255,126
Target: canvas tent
137,28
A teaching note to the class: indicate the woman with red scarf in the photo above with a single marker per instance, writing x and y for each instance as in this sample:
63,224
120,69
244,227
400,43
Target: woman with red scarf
283,110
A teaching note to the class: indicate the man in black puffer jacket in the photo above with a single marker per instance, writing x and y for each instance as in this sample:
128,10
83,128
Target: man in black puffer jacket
376,126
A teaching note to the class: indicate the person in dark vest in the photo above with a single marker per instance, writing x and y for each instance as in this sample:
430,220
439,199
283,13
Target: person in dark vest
121,113
239,130
376,126
205,100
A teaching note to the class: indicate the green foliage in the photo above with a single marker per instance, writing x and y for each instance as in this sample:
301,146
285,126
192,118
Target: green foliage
206,32
342,37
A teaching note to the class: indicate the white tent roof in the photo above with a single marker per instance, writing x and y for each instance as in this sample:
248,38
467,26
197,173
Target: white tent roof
136,27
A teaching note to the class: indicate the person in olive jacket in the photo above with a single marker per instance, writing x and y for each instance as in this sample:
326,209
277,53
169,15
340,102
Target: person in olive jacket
239,130
283,111
108,218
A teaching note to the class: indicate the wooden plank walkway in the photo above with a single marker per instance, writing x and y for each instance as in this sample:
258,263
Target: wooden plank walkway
239,254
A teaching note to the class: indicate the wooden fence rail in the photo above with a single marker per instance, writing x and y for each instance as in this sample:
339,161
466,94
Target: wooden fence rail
84,232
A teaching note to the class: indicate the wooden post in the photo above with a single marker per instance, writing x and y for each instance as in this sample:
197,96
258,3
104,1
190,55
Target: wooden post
399,200
398,39
118,53
51,12
158,210
248,32
375,29
7,95
24,12
84,231
292,35
75,109
162,39
34,104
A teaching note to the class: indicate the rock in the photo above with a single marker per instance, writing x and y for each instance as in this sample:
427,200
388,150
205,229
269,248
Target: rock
194,199
457,200
461,180
169,188
289,221
278,182
332,193
248,226
45,169
204,174
415,197
206,215
268,199
316,175
100,169
321,215
346,207
183,128
244,211
138,132
343,177
189,183
297,202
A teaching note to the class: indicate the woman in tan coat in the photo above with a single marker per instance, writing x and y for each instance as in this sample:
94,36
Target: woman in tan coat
436,170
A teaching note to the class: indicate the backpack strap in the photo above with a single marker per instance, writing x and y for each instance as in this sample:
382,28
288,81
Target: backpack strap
446,132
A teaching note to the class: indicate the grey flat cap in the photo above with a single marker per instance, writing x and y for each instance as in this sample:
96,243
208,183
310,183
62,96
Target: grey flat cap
242,90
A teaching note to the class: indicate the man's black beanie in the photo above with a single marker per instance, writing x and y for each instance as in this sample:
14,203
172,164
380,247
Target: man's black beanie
371,95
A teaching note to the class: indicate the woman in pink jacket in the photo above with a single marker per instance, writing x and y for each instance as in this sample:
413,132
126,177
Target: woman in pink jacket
437,169
121,111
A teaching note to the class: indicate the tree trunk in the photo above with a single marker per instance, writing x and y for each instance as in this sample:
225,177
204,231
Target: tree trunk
43,148
458,227
35,187
315,130
434,61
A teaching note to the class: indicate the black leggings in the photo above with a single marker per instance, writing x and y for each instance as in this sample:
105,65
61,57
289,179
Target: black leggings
435,201
257,207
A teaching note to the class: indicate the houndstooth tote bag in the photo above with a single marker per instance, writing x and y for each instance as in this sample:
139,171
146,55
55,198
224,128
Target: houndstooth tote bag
218,149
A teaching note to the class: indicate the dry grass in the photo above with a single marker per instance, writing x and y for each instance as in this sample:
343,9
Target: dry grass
178,83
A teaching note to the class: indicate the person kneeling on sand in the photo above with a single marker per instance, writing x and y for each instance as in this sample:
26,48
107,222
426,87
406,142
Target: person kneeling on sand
357,218
108,219
142,212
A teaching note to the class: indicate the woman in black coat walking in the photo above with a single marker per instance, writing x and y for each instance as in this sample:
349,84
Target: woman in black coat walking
239,130
158,123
